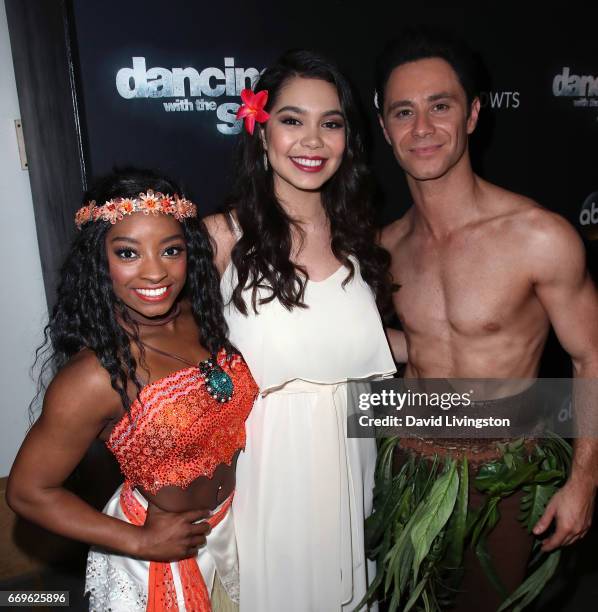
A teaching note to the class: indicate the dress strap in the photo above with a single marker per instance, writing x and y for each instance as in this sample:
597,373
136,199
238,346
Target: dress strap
167,354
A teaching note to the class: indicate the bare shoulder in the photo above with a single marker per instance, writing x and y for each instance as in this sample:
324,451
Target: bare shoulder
81,392
393,233
548,232
545,240
506,204
223,238
532,222
558,250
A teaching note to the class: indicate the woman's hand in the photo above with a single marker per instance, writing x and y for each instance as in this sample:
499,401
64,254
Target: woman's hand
171,536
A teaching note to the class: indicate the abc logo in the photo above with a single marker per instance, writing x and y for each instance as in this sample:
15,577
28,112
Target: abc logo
588,217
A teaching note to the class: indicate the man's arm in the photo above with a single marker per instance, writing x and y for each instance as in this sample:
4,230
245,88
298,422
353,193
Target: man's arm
566,291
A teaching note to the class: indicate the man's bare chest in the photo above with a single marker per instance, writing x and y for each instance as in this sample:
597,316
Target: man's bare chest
470,289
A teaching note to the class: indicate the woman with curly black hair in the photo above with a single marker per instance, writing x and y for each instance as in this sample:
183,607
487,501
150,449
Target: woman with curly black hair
301,275
141,361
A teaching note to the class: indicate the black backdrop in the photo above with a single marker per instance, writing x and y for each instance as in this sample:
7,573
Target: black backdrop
529,140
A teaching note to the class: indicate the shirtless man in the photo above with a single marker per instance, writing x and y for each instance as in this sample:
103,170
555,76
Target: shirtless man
483,272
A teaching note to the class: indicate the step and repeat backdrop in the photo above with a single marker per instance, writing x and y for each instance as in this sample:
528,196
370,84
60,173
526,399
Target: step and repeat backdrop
159,86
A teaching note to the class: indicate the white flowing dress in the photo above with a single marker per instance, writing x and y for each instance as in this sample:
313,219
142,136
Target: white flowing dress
304,488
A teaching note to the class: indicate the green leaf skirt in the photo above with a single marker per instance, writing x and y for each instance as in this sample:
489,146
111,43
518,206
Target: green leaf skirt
422,522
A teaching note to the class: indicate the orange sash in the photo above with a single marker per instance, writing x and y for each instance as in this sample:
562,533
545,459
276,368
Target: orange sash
161,591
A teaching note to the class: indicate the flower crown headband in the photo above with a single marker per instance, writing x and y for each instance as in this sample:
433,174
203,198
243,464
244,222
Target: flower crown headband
156,203
252,109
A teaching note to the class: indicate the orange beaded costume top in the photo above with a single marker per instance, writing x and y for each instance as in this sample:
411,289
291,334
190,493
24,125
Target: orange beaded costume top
177,432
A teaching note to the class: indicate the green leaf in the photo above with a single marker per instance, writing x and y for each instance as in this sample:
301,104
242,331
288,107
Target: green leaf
427,607
533,584
537,554
502,481
457,525
415,594
399,559
516,446
385,459
534,502
488,470
436,512
403,574
404,510
486,519
394,602
424,478
384,511
558,444
547,475
394,558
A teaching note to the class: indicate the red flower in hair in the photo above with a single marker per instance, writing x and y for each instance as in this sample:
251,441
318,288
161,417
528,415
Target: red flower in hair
252,109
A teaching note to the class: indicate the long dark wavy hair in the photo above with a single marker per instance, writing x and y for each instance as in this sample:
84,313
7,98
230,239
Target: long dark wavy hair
87,310
262,254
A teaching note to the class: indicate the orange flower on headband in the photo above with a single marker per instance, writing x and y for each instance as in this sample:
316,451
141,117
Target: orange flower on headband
252,109
155,203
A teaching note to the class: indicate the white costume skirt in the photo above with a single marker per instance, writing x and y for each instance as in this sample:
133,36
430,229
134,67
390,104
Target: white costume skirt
303,492
120,584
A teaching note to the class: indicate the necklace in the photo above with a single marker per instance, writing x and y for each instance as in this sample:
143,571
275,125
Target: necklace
175,311
217,382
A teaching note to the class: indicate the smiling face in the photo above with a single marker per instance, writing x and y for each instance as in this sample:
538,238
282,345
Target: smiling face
426,118
147,259
305,135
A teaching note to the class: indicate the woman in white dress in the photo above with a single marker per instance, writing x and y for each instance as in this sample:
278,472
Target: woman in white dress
301,274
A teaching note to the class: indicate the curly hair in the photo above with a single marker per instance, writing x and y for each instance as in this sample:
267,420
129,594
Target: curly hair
262,254
87,311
